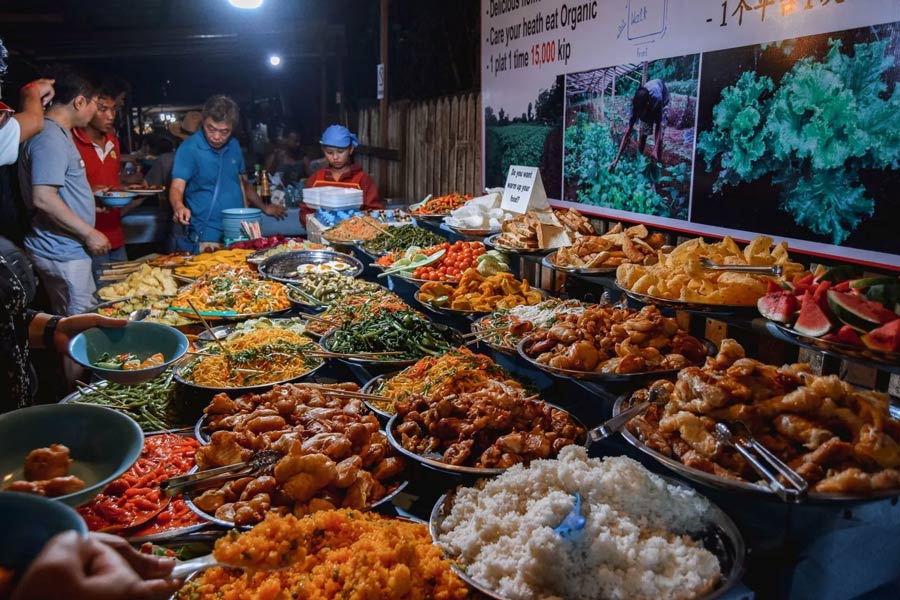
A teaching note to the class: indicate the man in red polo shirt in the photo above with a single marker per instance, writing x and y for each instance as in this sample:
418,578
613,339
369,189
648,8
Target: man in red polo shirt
99,148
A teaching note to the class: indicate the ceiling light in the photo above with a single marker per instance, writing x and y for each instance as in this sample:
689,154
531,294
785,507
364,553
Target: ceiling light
274,60
247,4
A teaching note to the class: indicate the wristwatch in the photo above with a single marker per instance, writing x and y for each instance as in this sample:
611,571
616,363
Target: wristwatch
50,329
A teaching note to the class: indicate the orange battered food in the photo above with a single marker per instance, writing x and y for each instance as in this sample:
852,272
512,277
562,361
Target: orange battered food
329,554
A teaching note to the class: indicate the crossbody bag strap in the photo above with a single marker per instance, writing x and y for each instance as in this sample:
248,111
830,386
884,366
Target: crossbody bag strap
215,198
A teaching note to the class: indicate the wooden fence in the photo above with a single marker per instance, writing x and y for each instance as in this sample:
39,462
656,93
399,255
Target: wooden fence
438,144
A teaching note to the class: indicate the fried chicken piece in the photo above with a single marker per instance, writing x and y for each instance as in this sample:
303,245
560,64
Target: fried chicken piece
830,453
878,446
51,488
302,477
335,446
694,460
363,491
47,463
210,501
798,429
389,468
848,481
692,430
223,449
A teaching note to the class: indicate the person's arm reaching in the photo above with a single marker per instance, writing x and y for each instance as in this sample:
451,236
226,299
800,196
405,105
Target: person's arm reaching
34,96
47,200
180,212
273,210
622,144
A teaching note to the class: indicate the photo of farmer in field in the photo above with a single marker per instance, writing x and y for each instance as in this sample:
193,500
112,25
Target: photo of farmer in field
629,136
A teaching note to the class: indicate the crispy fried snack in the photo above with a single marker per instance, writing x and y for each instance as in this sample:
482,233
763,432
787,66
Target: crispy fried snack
680,276
618,246
478,293
839,438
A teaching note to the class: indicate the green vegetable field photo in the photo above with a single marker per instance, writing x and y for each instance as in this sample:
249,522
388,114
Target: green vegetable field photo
801,138
598,112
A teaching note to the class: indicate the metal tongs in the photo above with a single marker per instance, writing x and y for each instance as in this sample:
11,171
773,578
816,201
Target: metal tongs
620,420
763,461
258,462
775,270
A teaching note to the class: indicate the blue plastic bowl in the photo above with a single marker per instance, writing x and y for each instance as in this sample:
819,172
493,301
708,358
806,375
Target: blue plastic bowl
102,443
137,337
28,522
232,217
116,199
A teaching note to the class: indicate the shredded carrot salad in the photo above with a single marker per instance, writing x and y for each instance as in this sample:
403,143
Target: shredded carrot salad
234,289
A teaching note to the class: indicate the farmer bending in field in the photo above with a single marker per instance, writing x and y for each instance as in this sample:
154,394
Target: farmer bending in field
649,104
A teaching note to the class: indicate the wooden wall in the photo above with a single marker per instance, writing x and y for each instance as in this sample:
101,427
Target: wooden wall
439,144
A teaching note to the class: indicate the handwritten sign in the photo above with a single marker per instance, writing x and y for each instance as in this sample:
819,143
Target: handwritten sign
524,190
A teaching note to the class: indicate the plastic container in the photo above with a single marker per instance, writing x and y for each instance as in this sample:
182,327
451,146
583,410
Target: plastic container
340,199
232,217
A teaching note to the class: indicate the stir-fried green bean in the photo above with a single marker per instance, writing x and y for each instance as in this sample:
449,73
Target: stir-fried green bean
401,238
401,331
151,404
329,287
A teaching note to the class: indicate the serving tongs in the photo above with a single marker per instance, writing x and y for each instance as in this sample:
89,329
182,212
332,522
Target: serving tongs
611,426
775,270
260,461
763,462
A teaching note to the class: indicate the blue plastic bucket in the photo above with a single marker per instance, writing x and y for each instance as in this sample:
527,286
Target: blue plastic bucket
231,221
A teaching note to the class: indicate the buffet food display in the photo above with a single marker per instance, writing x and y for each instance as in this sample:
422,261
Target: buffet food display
478,293
332,453
494,427
332,550
299,469
233,290
145,281
254,358
841,440
613,341
681,276
501,532
201,263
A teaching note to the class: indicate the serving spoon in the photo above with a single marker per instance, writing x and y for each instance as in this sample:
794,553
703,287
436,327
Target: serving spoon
185,568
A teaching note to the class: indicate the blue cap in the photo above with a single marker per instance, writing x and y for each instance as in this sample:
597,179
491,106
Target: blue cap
339,137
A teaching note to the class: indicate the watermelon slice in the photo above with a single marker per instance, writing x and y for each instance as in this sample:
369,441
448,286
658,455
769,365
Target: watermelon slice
844,335
858,312
886,338
813,321
780,306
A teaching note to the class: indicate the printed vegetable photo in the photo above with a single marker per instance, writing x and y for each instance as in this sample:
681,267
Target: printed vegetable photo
801,138
629,136
532,138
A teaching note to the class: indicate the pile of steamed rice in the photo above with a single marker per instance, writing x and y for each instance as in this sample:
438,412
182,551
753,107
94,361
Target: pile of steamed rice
636,543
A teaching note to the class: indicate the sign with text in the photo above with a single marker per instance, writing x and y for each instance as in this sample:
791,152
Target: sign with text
708,117
524,190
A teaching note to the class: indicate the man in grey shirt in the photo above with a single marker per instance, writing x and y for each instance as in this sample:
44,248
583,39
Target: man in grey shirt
59,199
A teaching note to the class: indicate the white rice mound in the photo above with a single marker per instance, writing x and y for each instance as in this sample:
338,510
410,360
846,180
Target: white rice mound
634,545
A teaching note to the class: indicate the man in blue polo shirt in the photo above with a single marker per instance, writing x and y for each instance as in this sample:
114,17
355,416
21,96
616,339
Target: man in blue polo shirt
209,176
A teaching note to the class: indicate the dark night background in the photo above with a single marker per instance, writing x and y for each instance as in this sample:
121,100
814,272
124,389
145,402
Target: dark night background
169,52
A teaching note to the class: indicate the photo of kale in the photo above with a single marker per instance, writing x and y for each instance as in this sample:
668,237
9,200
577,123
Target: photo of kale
531,139
599,107
801,138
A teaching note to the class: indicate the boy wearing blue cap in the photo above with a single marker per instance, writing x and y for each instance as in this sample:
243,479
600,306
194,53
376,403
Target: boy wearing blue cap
338,145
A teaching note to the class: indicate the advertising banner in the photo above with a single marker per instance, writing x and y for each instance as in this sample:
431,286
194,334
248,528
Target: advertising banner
712,117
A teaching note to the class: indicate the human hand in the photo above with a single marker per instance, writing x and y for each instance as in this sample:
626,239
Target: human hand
275,210
97,242
74,568
182,215
69,327
42,88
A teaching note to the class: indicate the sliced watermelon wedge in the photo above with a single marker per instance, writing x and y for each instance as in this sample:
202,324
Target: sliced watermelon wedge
813,321
885,339
780,306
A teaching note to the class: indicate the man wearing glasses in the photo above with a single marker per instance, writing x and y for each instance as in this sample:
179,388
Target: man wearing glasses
60,201
208,177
